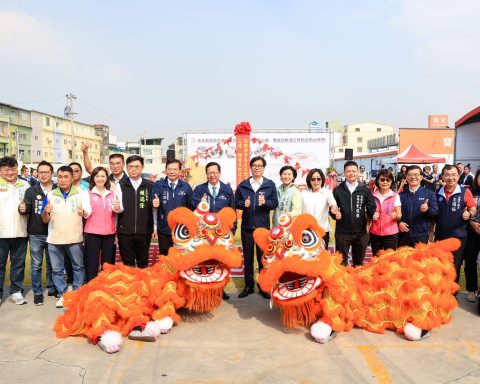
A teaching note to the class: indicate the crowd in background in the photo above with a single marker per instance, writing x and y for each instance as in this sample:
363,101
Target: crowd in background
73,227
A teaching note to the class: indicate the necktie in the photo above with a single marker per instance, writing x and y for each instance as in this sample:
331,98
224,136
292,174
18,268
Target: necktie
172,185
214,192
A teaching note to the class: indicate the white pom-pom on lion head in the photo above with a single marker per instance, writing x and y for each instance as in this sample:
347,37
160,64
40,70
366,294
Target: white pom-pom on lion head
321,332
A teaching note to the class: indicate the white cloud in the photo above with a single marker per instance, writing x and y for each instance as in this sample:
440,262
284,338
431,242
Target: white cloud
26,38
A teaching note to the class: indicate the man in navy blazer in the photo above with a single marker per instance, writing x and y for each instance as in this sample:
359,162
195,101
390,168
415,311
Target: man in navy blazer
218,194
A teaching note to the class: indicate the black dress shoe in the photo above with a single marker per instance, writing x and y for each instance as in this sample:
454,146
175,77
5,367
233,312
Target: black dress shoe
246,291
264,294
225,295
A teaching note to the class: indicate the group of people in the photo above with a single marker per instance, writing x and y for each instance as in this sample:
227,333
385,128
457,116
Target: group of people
78,225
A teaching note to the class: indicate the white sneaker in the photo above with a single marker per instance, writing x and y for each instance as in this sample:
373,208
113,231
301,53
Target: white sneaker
69,288
59,303
18,298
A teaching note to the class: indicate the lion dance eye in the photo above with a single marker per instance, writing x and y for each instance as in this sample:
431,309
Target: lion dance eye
219,232
309,238
288,243
181,232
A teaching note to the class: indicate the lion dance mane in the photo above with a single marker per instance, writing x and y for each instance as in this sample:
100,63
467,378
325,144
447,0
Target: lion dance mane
191,276
409,290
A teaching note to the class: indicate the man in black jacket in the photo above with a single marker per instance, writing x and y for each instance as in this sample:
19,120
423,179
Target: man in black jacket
135,222
355,205
38,230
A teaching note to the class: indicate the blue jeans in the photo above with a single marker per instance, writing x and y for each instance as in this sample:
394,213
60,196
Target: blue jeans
74,252
17,248
38,246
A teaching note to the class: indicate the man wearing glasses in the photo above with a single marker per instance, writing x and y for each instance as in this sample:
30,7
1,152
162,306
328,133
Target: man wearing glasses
218,194
168,194
419,209
78,183
38,231
456,207
256,197
135,218
13,228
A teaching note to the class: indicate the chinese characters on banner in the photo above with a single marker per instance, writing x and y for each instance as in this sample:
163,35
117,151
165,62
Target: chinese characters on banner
243,157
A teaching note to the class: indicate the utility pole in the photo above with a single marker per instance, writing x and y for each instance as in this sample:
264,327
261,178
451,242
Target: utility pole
71,114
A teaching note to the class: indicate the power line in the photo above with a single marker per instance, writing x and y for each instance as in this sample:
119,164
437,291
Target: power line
37,101
108,114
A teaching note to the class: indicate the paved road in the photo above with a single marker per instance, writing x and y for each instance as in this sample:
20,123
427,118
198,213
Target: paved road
240,342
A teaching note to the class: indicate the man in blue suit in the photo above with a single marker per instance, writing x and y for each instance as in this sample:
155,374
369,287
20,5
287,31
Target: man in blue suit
218,194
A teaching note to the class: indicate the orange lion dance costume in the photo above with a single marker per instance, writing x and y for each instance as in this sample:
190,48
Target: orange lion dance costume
122,299
409,290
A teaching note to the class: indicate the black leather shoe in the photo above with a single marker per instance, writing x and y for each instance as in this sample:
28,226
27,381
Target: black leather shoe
246,291
264,294
225,295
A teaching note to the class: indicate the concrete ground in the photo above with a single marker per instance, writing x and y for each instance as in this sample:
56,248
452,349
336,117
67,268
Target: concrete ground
243,341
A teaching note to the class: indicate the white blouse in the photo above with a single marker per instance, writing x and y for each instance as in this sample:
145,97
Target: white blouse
318,205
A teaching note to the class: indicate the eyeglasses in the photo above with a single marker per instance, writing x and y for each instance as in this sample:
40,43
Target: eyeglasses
316,179
414,175
77,171
43,172
257,166
212,173
134,166
384,180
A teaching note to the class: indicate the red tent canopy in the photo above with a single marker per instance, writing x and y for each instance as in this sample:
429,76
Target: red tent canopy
413,155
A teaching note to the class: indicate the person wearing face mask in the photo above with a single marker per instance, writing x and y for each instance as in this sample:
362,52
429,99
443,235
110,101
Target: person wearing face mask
289,197
218,195
168,194
317,201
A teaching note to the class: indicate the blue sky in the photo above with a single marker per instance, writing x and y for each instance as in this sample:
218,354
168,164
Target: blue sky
167,66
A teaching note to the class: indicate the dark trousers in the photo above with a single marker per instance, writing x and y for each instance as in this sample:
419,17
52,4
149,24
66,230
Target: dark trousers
134,249
14,248
326,240
379,243
164,243
99,250
358,242
457,255
405,240
249,246
471,254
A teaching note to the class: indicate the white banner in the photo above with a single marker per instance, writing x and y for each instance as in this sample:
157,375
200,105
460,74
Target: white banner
301,150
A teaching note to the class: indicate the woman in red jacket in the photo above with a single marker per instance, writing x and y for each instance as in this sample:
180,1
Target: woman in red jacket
99,206
384,229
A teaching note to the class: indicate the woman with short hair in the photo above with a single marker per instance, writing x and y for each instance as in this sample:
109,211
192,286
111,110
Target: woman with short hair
318,201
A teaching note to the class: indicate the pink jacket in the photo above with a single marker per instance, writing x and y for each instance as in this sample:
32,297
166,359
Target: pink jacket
385,225
99,213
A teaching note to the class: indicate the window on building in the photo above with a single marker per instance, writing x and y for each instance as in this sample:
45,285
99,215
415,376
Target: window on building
39,153
357,129
149,161
65,141
36,138
379,129
13,113
359,139
359,149
47,121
